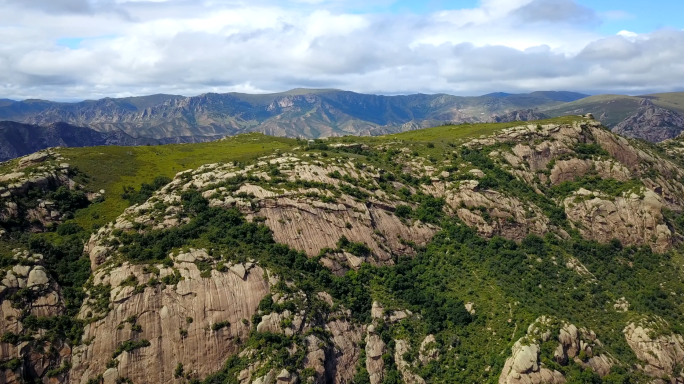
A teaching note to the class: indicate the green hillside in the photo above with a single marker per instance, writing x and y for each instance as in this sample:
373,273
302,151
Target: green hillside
673,101
610,109
444,255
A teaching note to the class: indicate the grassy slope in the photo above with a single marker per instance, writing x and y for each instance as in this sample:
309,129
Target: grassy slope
112,168
673,100
611,109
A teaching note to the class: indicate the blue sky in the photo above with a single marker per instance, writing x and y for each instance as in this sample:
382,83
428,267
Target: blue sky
639,16
77,49
644,16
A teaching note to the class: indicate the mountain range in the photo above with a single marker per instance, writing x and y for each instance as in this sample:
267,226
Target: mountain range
315,113
493,253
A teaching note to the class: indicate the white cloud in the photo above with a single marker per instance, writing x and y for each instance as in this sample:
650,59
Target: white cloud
190,47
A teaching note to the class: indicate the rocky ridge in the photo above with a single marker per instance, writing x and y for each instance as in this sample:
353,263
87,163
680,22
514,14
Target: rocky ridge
651,123
208,298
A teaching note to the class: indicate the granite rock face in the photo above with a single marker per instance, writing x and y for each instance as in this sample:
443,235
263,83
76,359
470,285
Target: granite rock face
178,321
651,123
42,298
525,364
662,354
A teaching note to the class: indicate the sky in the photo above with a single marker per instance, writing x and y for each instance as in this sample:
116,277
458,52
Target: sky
88,49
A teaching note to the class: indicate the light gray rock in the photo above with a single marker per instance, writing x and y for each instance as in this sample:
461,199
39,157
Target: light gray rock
10,281
110,376
526,359
239,270
21,270
37,277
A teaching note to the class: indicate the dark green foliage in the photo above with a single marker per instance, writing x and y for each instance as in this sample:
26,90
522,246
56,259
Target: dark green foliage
64,260
585,151
425,294
56,328
353,191
100,294
172,279
357,249
220,325
403,211
594,182
67,229
179,371
10,365
130,346
14,339
145,192
430,208
64,368
68,201
65,200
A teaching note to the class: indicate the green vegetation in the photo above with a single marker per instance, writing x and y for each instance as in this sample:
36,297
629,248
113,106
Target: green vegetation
130,346
511,284
145,192
113,168
593,182
220,325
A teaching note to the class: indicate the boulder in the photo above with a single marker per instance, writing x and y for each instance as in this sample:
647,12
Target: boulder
37,277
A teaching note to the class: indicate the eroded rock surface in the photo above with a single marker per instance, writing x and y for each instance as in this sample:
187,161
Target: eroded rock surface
525,364
662,354
42,297
178,321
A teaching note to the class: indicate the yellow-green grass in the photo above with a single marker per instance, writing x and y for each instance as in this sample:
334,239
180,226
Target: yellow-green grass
673,100
111,168
456,133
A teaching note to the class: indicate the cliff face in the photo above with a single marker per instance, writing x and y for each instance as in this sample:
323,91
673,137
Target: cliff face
352,261
179,321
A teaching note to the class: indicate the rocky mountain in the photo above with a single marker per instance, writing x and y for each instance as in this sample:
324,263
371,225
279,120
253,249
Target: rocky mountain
651,123
297,113
18,139
314,113
519,115
480,253
650,117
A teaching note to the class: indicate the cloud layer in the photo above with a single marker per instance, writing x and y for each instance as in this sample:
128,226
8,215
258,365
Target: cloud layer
120,48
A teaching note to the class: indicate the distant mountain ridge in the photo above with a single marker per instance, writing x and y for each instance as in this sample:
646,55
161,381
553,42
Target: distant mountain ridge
315,113
652,118
17,139
307,113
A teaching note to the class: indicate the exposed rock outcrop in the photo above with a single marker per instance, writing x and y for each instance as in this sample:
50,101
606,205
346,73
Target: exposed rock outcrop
525,366
519,115
27,290
651,123
662,354
629,219
179,321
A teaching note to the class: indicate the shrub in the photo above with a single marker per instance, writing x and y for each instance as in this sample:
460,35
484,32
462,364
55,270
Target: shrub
130,346
220,325
403,211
